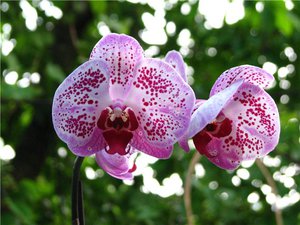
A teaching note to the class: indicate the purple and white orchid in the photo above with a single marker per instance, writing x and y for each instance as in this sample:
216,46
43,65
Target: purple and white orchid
120,102
240,121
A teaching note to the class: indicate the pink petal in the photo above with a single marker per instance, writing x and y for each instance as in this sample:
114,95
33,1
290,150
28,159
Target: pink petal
228,161
252,74
140,143
175,59
94,143
77,104
121,53
183,141
211,108
161,101
115,165
255,128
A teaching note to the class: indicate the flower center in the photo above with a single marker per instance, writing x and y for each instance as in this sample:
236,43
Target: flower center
221,127
117,124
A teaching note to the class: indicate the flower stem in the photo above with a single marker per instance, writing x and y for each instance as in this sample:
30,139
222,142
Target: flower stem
268,176
188,187
77,198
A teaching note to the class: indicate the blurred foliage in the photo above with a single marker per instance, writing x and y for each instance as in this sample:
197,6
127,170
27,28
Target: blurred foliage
35,185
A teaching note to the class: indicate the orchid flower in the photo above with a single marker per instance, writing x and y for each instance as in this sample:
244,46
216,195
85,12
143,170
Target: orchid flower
240,121
120,102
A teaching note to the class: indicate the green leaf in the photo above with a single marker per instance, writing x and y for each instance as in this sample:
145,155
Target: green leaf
55,72
22,210
98,7
283,22
14,92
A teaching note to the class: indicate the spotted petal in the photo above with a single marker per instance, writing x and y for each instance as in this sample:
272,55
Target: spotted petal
121,53
183,141
211,108
162,102
115,165
140,143
76,106
175,59
251,74
255,128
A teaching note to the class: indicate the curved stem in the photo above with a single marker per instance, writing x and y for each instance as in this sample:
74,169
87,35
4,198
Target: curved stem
187,189
77,200
268,176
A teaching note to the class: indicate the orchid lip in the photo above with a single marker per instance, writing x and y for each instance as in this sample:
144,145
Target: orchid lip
117,125
220,127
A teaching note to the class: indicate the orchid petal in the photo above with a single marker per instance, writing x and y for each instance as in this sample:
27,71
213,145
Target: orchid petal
162,102
122,53
251,74
76,106
140,143
175,59
255,128
115,165
211,108
183,141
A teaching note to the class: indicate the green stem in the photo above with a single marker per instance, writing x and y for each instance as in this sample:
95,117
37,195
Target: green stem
77,198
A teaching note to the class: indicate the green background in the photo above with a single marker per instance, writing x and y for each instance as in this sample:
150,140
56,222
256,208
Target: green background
35,184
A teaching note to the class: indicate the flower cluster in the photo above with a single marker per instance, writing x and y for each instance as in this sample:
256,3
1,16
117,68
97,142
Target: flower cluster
120,102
